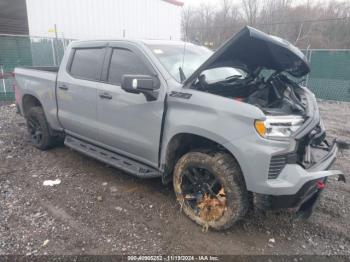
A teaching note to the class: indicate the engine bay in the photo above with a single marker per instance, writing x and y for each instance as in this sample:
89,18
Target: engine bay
276,95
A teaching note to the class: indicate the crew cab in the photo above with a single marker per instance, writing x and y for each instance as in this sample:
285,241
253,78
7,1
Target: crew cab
229,128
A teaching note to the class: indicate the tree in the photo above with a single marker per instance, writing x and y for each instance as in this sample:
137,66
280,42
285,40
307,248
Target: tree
251,10
310,23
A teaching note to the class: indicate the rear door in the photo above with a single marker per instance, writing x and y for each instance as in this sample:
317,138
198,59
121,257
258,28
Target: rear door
77,91
128,123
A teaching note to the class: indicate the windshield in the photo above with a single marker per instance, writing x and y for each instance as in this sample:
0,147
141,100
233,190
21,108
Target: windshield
189,57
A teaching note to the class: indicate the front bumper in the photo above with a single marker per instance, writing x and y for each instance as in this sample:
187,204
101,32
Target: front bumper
312,181
293,177
254,157
308,193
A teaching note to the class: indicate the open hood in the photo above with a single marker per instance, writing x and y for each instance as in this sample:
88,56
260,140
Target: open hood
250,49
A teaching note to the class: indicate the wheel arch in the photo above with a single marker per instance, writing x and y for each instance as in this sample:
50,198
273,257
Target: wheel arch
182,143
29,101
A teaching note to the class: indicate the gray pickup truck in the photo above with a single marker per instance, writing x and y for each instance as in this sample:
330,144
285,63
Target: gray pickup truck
232,129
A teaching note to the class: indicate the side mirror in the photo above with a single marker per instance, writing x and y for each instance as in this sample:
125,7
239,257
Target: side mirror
140,83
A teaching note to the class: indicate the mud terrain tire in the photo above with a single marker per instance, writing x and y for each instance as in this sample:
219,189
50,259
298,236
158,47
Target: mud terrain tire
225,168
39,130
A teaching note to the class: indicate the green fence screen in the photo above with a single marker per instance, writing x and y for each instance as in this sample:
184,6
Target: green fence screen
330,74
26,51
329,78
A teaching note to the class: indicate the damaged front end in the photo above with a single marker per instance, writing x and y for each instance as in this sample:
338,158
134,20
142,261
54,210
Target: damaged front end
257,69
315,154
253,67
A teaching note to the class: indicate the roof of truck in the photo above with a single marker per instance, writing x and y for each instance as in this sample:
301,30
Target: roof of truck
135,41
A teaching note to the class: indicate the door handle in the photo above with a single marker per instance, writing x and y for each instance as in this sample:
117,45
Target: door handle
105,96
63,87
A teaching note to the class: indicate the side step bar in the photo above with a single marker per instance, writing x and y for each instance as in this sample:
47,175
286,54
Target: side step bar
126,164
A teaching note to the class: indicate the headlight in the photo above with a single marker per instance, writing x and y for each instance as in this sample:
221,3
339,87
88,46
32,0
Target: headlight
278,127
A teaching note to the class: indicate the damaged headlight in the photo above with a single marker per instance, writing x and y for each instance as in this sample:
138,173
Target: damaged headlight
278,127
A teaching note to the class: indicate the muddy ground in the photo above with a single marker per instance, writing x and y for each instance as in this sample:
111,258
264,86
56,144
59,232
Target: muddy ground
99,210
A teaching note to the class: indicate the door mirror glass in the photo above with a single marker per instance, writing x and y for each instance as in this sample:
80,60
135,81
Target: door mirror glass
140,83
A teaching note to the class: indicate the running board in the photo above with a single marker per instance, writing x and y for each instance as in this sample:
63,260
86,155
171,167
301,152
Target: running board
126,164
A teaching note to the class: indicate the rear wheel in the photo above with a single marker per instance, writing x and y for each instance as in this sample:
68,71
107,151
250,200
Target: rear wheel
211,189
38,129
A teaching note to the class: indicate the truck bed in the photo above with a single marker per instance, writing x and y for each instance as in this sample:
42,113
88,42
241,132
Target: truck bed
38,82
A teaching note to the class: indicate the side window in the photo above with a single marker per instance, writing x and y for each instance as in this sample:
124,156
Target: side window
87,63
125,62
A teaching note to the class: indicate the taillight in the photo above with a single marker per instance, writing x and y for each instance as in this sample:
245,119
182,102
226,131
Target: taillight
16,90
14,85
320,185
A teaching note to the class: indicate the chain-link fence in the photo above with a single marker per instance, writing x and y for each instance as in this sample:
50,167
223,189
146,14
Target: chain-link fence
329,78
26,51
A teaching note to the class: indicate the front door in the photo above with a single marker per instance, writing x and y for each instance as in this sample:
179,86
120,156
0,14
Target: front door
128,123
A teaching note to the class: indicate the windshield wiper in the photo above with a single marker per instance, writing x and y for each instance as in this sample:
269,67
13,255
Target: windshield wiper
233,77
182,75
227,79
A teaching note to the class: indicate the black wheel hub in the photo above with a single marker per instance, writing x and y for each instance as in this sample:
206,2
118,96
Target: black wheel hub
196,183
35,131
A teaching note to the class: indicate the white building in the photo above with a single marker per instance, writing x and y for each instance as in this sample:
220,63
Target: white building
98,19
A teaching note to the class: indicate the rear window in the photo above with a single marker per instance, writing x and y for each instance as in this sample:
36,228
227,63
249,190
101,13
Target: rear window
87,63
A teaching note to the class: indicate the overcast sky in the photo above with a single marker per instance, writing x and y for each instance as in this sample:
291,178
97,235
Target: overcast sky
198,2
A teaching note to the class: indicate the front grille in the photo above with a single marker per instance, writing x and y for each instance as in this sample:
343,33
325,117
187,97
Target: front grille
277,163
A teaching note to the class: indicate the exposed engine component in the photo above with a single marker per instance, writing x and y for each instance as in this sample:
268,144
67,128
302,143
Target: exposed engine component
278,95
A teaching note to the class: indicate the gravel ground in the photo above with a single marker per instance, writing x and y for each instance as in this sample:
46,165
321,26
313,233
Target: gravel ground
101,210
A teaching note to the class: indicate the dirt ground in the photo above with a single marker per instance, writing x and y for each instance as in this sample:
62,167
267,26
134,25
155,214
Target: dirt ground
100,210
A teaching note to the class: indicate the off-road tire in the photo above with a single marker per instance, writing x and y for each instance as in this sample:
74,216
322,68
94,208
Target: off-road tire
47,141
226,169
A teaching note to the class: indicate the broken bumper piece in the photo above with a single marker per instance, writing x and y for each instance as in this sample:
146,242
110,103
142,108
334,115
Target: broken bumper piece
304,185
293,177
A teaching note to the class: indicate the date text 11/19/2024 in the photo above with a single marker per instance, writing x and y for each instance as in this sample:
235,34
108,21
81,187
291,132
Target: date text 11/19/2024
173,258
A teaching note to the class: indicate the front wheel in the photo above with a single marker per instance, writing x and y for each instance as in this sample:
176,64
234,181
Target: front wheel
211,189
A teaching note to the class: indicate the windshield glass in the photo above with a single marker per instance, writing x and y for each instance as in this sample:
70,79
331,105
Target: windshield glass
189,57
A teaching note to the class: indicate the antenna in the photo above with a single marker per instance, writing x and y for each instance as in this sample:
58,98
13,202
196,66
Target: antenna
182,74
183,54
